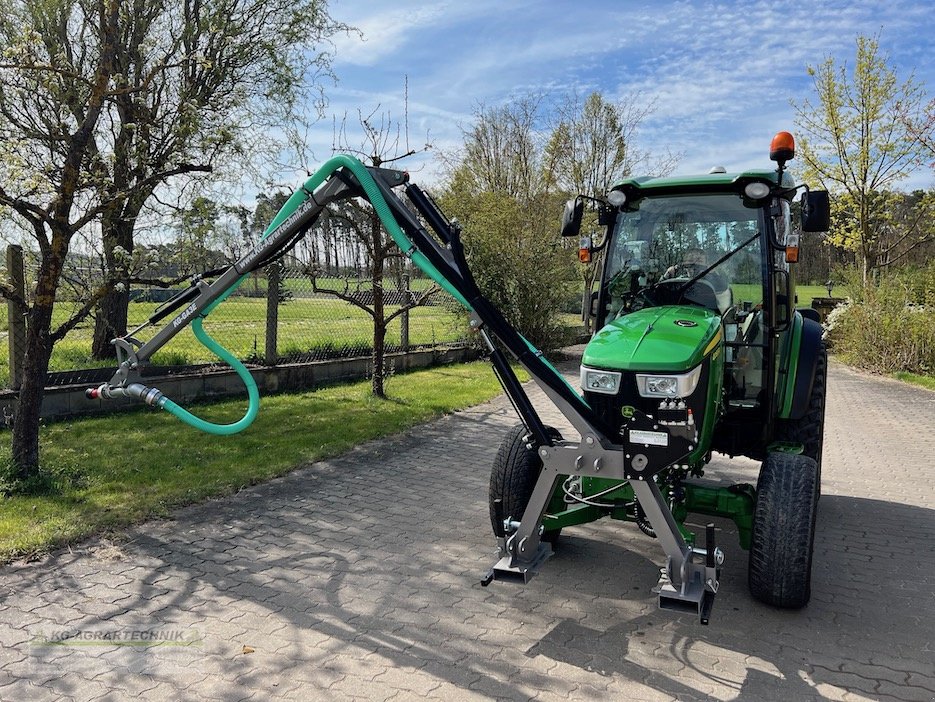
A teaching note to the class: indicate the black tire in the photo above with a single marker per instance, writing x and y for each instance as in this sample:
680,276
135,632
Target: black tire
809,430
513,477
780,569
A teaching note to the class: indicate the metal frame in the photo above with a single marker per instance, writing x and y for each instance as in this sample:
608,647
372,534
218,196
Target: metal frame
690,576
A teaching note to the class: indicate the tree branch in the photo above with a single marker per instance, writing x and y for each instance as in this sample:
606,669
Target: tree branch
81,314
419,301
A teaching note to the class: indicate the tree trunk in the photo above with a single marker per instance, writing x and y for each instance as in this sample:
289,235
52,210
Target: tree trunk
379,317
379,347
111,320
25,444
110,323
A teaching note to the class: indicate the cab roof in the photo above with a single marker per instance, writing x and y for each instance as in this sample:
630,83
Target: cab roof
646,185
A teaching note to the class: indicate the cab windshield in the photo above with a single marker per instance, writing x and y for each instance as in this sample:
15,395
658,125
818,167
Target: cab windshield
662,246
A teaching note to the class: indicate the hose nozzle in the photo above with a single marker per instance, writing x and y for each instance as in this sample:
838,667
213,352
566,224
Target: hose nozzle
151,396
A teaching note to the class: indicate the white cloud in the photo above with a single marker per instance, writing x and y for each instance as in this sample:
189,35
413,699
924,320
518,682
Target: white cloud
721,73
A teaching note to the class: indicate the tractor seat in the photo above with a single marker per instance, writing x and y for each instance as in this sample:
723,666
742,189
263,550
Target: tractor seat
703,293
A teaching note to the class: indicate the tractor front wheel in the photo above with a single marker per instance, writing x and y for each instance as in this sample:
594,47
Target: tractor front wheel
513,477
780,569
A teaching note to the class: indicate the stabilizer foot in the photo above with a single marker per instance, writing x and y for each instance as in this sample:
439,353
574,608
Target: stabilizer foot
510,569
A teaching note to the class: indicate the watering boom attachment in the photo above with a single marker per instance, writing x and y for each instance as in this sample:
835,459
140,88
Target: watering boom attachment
677,357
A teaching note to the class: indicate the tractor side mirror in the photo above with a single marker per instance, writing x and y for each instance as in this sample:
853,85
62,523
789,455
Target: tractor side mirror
816,211
592,304
571,218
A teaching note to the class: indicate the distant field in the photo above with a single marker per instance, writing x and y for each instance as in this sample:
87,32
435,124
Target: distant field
239,324
806,293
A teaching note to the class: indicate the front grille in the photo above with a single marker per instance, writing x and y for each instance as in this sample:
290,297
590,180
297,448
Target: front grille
607,408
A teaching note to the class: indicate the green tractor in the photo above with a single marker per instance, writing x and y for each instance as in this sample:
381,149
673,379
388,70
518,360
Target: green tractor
698,348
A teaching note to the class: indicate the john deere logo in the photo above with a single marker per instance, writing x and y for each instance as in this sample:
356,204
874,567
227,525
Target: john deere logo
686,323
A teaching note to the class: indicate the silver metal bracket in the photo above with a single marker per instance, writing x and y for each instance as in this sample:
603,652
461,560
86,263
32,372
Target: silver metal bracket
690,579
698,581
518,570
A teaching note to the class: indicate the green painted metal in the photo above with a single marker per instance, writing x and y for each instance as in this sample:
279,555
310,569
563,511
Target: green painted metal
788,366
688,182
786,447
650,340
712,404
735,503
571,516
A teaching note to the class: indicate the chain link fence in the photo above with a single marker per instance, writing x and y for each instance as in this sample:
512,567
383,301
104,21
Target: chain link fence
278,315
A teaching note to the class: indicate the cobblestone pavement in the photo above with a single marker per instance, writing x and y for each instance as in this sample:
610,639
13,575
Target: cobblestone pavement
358,578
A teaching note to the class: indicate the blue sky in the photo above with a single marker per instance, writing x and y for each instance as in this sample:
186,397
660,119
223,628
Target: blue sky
721,74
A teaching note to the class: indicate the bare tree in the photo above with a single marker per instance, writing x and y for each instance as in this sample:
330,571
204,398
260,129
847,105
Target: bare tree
384,142
102,102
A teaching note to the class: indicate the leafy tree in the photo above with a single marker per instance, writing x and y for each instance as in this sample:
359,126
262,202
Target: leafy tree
593,146
921,127
517,259
196,84
44,180
902,224
499,191
101,103
856,143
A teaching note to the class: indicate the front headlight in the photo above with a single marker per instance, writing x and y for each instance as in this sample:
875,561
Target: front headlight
607,382
668,385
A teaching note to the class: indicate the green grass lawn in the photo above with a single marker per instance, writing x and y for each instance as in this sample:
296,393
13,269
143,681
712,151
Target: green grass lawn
806,293
925,381
106,473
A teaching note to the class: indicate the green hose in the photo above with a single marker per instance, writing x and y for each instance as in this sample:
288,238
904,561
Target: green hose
241,370
298,197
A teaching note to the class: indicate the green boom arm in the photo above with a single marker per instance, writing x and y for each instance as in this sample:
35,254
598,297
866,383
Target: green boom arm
688,582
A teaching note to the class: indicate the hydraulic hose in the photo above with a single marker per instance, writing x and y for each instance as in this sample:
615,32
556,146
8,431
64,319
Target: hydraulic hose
298,197
379,205
254,395
155,398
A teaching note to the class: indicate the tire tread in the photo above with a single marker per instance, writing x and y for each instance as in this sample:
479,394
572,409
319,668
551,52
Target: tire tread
783,531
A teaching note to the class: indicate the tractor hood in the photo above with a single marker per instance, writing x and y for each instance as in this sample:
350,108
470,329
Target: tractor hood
669,338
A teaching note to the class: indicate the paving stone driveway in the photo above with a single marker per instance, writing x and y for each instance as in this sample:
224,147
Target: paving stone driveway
358,578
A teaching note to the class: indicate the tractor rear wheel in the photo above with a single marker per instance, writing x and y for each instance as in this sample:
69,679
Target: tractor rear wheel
809,430
780,569
513,477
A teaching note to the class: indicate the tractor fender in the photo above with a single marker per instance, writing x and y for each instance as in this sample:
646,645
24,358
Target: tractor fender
808,352
809,313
